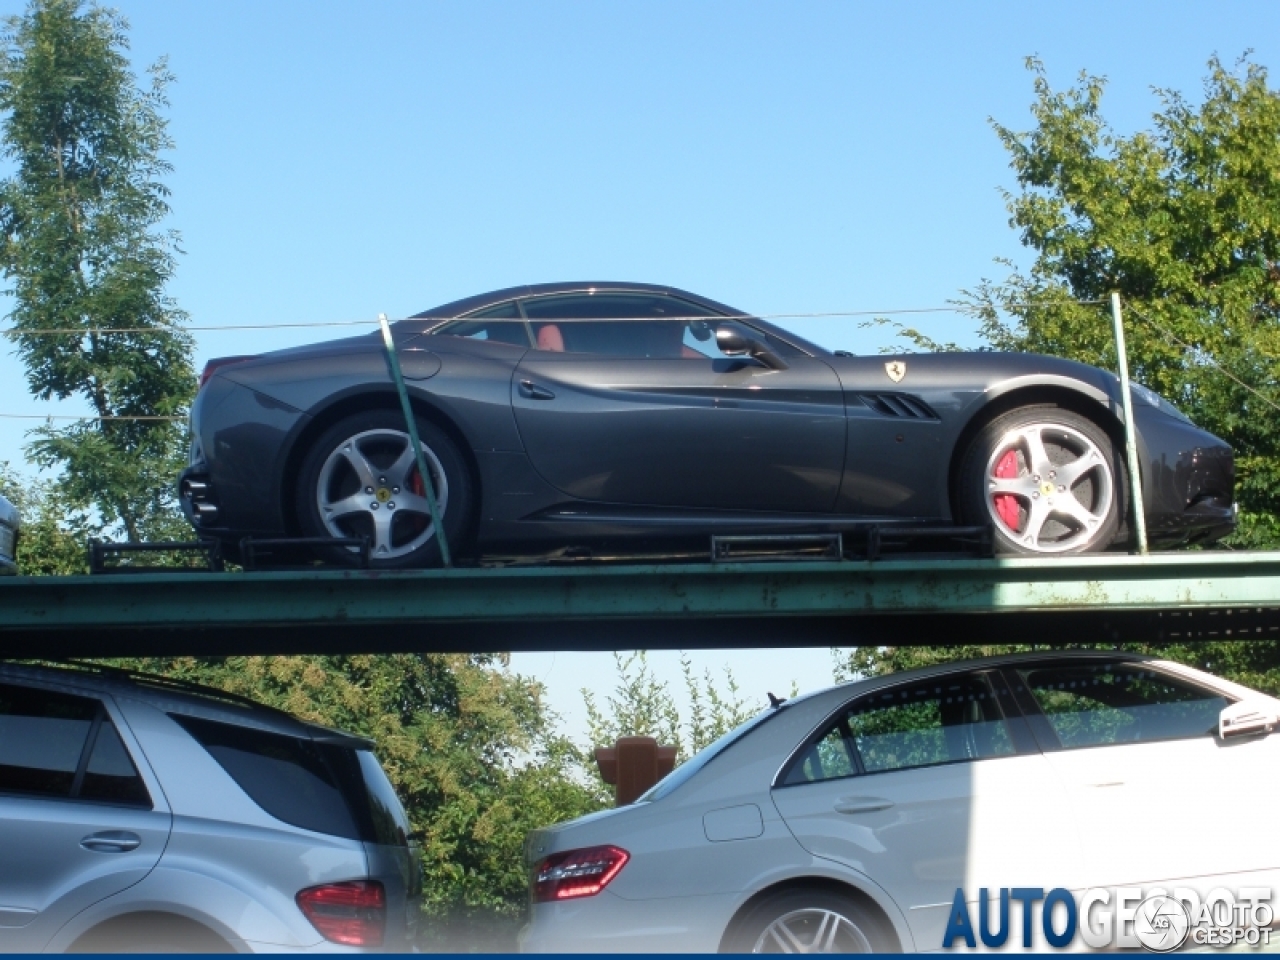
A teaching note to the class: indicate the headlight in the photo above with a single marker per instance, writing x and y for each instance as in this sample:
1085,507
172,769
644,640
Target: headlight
1148,396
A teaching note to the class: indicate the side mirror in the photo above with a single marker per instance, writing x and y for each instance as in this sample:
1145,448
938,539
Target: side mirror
1246,718
733,342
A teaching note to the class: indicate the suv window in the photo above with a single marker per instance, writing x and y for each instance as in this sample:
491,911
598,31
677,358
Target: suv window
1093,704
945,720
324,787
58,745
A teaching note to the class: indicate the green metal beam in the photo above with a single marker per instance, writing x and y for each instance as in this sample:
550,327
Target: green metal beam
779,603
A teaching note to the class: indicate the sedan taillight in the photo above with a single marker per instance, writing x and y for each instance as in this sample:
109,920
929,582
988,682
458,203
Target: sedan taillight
577,873
353,912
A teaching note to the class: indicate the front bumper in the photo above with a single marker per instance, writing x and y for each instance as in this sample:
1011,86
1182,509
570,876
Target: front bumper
1188,480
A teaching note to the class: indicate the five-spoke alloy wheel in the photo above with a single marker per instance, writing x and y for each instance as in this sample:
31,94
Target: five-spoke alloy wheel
361,479
1046,479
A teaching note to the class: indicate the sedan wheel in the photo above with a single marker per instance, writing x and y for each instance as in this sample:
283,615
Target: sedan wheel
1046,480
361,479
809,920
812,931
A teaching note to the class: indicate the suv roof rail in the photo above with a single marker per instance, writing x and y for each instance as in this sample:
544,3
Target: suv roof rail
153,679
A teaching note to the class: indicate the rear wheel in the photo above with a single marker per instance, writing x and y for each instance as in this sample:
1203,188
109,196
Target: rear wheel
1047,480
361,479
810,921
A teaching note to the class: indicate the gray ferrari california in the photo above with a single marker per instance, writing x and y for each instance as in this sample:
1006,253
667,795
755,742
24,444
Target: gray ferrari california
631,415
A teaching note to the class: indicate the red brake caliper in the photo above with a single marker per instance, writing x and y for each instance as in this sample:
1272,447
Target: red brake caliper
1007,503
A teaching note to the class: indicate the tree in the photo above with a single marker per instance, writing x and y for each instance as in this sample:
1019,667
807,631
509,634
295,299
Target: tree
1184,221
54,532
643,706
81,242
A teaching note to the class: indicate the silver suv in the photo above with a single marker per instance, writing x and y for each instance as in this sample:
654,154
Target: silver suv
140,813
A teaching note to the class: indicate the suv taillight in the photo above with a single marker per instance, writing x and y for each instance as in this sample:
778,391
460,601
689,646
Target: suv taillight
353,912
577,873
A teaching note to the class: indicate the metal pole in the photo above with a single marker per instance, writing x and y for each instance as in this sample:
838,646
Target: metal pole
428,484
1130,438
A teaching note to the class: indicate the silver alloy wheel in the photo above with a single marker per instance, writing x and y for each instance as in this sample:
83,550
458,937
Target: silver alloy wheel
812,930
1060,481
366,488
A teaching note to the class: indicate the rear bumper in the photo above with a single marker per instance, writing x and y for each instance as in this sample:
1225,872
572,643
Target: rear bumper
607,923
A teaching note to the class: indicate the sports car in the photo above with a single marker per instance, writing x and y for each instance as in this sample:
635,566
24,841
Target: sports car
629,415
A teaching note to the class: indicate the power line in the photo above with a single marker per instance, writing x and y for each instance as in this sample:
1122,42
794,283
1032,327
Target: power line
821,315
1207,358
59,416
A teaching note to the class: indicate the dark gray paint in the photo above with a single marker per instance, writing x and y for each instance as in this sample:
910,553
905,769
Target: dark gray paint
649,448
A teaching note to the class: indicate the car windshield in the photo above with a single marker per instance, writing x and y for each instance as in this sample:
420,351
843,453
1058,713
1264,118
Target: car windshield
699,760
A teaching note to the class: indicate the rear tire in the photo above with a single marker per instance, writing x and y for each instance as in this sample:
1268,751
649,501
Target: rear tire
810,920
1050,482
360,478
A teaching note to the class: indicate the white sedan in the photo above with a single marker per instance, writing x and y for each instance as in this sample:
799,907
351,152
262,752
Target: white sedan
868,816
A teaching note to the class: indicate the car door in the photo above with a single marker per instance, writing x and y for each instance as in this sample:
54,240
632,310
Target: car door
927,788
77,821
1158,797
624,400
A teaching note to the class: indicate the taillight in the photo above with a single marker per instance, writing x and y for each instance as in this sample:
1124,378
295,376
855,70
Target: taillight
353,912
212,366
577,873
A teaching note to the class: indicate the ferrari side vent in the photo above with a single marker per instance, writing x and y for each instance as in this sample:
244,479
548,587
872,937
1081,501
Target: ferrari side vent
901,405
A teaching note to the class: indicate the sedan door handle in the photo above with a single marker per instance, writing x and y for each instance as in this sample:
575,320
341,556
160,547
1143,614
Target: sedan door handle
112,841
862,804
532,391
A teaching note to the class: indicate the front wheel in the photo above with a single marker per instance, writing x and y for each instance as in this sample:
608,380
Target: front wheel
361,479
1049,482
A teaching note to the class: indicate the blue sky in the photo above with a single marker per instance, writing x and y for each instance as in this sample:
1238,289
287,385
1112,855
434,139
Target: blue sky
335,160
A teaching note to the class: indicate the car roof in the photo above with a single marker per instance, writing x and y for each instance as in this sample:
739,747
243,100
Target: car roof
980,663
458,308
177,696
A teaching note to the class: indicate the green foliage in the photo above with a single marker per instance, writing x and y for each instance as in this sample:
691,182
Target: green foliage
643,706
1184,221
54,533
469,746
80,240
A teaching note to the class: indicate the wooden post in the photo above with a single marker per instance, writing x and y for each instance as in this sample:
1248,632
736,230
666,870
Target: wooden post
633,765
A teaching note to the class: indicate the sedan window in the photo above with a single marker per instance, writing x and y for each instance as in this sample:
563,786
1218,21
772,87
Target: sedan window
937,721
1093,704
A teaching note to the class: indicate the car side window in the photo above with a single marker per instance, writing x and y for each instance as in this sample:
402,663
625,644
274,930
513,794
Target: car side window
58,745
620,325
946,720
1095,704
500,324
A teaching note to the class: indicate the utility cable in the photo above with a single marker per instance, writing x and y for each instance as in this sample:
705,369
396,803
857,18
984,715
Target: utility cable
1206,357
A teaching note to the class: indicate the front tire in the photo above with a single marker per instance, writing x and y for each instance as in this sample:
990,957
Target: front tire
360,479
810,921
1048,481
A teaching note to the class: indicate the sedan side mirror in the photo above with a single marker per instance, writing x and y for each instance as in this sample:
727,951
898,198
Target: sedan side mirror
733,342
1246,718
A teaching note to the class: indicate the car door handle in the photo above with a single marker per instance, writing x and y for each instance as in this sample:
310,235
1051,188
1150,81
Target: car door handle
862,804
112,841
532,391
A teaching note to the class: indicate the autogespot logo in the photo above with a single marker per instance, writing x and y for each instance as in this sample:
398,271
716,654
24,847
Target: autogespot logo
1108,919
